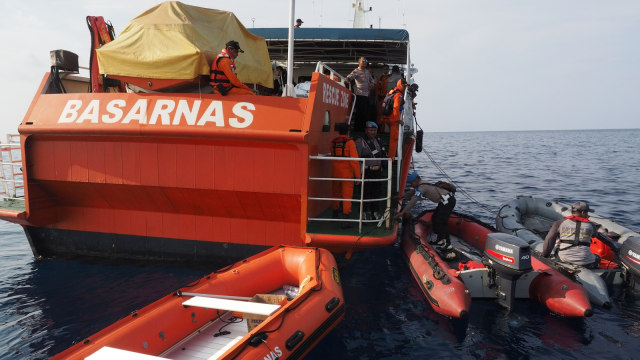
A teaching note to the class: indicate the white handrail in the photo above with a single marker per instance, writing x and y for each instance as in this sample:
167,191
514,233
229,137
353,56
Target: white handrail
360,180
320,66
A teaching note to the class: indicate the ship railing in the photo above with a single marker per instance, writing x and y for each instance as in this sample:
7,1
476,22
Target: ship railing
321,67
11,169
386,214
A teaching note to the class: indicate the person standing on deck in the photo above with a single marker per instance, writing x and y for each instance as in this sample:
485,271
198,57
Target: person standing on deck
395,119
571,238
373,100
364,83
344,146
223,77
393,78
381,92
280,80
441,193
298,23
371,146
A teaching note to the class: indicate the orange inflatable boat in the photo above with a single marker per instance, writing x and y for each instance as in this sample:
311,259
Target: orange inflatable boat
277,304
497,266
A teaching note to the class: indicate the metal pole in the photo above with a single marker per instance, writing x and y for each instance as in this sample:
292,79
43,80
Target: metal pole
292,11
389,181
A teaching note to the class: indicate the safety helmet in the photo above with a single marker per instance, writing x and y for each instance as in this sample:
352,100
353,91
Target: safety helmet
414,175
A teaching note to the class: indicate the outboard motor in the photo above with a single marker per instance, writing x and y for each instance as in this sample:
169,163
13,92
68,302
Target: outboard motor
630,259
510,258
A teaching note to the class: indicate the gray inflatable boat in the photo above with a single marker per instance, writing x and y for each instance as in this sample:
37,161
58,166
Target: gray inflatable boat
530,218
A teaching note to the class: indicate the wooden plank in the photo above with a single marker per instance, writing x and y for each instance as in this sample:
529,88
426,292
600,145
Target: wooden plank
232,305
109,353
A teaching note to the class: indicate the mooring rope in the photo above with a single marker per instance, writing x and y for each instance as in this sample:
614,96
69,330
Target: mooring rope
458,187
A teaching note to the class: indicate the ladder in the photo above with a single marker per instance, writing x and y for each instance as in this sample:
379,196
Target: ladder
11,169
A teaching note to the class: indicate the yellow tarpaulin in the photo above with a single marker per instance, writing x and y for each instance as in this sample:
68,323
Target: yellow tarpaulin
178,41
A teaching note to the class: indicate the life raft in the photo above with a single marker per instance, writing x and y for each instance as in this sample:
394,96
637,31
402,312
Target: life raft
238,312
530,218
450,286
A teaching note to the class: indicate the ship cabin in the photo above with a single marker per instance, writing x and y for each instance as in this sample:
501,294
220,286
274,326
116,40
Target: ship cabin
124,167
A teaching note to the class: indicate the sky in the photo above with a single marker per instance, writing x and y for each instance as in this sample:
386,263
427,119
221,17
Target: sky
490,65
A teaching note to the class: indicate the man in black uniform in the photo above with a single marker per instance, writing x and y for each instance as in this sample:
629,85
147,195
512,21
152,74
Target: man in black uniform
371,146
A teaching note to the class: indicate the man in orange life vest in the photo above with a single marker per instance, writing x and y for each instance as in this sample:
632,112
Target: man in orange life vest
571,238
343,146
394,120
381,92
223,77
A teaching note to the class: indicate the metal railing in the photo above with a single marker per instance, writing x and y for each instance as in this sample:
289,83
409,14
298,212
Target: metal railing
11,169
321,66
361,200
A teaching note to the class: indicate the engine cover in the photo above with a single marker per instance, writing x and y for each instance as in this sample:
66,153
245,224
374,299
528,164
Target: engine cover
630,255
507,253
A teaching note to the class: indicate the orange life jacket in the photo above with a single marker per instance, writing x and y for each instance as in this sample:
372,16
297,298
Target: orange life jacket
339,145
218,76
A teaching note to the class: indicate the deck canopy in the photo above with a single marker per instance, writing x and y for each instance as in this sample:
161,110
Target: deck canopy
338,47
178,41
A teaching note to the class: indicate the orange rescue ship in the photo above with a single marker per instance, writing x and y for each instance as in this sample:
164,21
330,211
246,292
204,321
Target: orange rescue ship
167,170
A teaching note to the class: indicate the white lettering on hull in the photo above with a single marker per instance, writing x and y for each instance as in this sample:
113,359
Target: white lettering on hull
274,354
165,112
334,96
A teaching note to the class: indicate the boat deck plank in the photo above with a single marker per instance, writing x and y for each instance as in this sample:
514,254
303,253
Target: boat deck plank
232,305
109,353
204,345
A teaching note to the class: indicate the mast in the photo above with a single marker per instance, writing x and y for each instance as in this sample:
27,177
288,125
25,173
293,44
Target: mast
288,91
358,17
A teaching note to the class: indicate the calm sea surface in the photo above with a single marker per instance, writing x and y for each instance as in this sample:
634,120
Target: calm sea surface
46,305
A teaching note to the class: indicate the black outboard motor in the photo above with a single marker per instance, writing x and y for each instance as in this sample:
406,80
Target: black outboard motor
510,258
630,259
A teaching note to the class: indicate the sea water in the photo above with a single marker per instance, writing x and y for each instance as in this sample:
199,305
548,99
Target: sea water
46,305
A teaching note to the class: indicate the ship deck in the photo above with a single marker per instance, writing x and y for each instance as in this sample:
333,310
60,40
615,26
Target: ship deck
369,229
12,204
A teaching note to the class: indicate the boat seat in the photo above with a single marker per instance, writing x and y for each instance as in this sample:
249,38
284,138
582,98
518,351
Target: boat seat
232,305
109,353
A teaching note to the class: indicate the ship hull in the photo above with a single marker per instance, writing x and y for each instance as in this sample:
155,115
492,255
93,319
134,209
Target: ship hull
48,242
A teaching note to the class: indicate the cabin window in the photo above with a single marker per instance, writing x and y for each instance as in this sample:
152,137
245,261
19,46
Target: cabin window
326,125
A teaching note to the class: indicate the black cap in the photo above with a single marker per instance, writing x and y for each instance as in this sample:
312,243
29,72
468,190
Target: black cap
341,128
299,21
234,44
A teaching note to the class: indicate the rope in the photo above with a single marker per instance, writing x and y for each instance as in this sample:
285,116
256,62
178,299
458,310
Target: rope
464,192
386,215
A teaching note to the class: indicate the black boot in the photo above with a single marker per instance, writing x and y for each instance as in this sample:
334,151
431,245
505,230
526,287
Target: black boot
446,250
